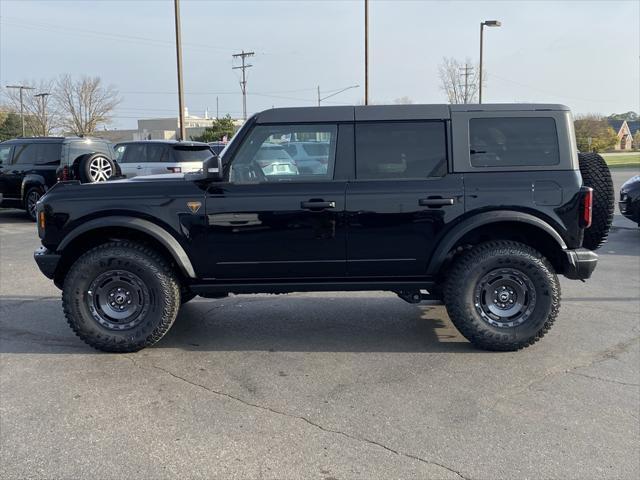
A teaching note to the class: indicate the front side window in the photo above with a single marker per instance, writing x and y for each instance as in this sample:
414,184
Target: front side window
513,142
119,149
270,153
5,154
400,150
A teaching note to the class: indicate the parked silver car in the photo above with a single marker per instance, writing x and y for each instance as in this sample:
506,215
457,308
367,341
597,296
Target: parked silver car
152,157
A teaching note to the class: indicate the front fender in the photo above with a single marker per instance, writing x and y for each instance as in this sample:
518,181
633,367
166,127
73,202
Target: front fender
482,219
158,233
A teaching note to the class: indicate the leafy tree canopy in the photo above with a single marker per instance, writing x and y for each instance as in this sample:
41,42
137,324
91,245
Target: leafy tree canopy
215,133
593,134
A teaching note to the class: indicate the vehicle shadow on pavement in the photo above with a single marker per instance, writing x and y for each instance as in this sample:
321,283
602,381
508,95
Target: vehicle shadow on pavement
283,323
10,215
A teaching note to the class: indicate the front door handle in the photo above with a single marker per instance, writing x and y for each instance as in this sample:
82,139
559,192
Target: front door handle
435,202
139,167
317,205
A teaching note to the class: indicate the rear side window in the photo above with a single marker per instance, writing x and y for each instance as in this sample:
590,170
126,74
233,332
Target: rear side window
157,153
513,142
192,154
407,150
48,153
25,154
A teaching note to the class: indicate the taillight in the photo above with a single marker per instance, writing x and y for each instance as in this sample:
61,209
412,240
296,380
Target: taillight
175,169
587,207
65,173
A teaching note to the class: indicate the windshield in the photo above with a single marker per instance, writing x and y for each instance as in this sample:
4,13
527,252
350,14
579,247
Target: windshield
192,154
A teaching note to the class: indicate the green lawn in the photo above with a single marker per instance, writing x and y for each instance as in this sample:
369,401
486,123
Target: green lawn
617,160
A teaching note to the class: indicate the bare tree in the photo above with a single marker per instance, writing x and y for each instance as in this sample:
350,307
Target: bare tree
460,81
85,103
41,116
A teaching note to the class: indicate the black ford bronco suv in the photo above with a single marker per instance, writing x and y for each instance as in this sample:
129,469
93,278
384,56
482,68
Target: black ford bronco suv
480,206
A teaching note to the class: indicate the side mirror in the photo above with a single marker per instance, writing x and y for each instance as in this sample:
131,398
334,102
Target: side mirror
212,168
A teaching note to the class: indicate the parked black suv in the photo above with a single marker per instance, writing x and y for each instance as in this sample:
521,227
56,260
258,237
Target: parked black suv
30,166
480,206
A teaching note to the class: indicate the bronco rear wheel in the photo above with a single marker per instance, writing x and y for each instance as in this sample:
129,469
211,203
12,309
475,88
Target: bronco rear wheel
121,297
502,295
595,174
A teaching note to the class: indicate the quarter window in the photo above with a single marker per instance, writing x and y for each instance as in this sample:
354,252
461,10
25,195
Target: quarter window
400,150
513,142
272,153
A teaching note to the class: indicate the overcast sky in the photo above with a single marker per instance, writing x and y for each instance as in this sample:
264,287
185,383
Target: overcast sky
585,54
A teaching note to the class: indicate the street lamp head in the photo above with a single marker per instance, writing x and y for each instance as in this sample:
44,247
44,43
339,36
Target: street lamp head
491,23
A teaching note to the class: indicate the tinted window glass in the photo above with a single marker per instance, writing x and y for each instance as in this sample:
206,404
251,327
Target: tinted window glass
192,154
135,153
78,148
400,150
316,149
502,142
266,154
48,154
4,154
119,149
157,153
25,154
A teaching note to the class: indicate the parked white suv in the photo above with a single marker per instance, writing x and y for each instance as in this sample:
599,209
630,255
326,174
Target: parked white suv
153,157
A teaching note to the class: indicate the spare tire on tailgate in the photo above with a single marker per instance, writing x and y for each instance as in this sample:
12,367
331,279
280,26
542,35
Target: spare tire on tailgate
95,167
596,174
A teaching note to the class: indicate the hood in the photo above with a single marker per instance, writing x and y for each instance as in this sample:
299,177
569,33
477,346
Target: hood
632,184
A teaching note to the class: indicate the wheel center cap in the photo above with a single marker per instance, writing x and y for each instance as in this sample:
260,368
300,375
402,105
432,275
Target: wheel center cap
504,296
120,298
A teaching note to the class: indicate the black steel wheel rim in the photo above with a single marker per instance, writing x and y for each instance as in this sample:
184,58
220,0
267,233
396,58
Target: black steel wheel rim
505,297
32,202
118,299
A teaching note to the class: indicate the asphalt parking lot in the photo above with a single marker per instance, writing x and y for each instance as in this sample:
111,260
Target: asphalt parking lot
327,386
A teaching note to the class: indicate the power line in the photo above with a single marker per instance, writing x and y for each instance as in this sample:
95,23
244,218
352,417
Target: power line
243,82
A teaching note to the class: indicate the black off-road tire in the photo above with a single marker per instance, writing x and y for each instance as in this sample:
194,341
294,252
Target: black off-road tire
33,195
595,174
87,164
155,280
461,295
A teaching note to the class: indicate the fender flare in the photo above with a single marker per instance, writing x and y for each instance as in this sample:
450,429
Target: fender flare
456,233
158,233
32,179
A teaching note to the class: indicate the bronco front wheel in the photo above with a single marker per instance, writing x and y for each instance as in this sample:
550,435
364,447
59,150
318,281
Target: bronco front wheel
502,295
121,297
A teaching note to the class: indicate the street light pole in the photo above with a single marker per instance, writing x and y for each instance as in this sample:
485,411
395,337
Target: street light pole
42,97
176,5
335,93
488,23
366,52
21,88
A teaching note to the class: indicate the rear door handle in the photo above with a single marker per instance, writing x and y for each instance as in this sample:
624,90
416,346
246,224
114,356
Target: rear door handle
139,167
435,202
317,205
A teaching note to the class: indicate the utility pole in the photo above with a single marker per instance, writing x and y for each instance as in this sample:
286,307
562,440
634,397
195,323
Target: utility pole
366,52
319,100
21,87
243,82
183,134
217,109
43,97
467,71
